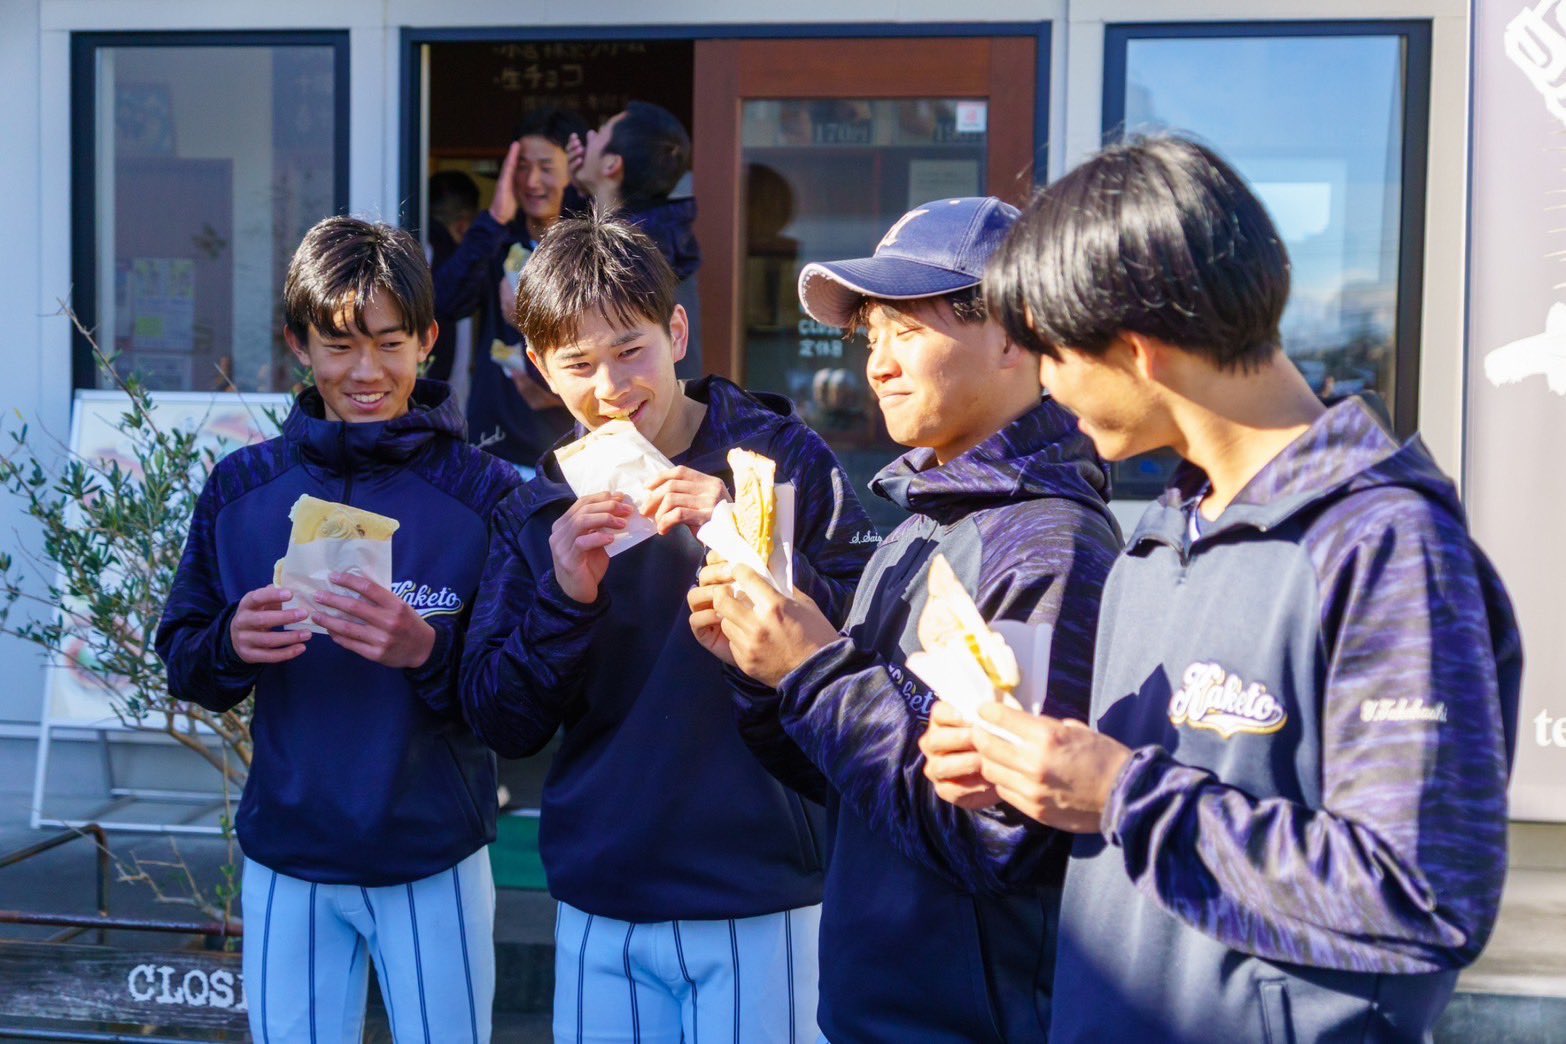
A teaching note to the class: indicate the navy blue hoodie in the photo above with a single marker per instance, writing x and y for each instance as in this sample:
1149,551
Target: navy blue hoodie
468,283
1321,694
361,774
937,924
653,808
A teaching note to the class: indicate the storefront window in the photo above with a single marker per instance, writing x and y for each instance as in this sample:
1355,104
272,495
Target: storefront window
208,162
825,179
1317,119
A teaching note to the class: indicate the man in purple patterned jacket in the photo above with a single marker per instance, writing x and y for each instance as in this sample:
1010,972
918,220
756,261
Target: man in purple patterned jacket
937,923
1292,800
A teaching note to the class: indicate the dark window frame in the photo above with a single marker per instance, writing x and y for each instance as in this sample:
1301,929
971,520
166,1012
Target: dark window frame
84,148
413,39
1415,155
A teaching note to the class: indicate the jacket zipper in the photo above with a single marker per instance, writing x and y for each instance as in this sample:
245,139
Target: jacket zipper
342,448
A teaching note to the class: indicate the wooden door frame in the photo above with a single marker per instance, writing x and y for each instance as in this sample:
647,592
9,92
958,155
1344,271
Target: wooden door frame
731,71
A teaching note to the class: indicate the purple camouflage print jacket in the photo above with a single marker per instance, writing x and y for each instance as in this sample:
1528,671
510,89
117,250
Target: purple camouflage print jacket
937,923
1321,693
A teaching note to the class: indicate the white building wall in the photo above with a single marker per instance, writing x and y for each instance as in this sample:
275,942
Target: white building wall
35,165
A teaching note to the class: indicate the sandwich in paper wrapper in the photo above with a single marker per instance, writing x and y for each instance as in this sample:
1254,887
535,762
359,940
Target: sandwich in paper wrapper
615,458
968,662
327,538
757,529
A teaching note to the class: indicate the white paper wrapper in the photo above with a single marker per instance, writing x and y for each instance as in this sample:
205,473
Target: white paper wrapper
722,535
304,569
615,458
961,682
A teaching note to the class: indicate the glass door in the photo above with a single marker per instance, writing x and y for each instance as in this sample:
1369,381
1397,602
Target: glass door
810,150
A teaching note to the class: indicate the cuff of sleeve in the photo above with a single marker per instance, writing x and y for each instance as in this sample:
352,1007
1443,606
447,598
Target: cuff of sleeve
1138,775
226,663
746,689
798,685
438,667
552,597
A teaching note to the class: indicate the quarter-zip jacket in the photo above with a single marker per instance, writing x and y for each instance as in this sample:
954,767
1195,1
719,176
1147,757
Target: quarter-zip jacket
361,774
937,924
653,808
468,283
1321,694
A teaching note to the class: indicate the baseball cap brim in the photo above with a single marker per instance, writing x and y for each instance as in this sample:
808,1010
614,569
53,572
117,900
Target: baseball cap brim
830,291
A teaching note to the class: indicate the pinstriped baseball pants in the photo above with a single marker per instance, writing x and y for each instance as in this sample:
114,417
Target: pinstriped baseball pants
750,980
308,949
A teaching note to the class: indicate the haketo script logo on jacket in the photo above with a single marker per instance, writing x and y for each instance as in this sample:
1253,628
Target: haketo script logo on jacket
1321,693
362,774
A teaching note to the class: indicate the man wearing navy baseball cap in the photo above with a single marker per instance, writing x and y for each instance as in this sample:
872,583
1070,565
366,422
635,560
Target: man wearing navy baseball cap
937,921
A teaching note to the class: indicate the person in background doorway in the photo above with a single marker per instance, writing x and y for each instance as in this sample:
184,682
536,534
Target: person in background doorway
511,413
453,205
639,162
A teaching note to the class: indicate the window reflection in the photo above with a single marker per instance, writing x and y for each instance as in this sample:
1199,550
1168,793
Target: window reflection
211,163
824,179
1315,124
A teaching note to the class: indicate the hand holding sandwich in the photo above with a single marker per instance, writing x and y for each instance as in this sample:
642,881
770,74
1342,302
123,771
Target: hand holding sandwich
1061,774
579,542
705,624
683,497
953,763
768,635
377,624
253,628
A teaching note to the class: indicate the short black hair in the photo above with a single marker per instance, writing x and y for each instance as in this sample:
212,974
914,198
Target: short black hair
967,305
656,150
453,195
342,263
553,125
595,263
1157,236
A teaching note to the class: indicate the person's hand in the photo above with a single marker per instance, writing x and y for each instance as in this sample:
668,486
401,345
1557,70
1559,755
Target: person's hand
1062,772
705,625
579,541
770,635
576,155
952,762
503,207
683,497
253,629
377,624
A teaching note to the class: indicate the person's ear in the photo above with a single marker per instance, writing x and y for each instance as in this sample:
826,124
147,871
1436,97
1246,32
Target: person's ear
427,342
537,360
1145,355
300,351
679,332
612,167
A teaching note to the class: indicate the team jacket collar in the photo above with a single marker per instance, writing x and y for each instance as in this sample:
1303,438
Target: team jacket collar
1345,450
1040,454
343,447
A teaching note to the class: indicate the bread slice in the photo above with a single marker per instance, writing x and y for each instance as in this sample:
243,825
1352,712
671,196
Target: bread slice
950,621
316,519
755,500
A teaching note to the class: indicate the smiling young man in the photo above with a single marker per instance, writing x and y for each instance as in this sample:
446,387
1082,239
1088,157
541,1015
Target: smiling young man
369,801
953,909
688,877
1292,798
510,412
